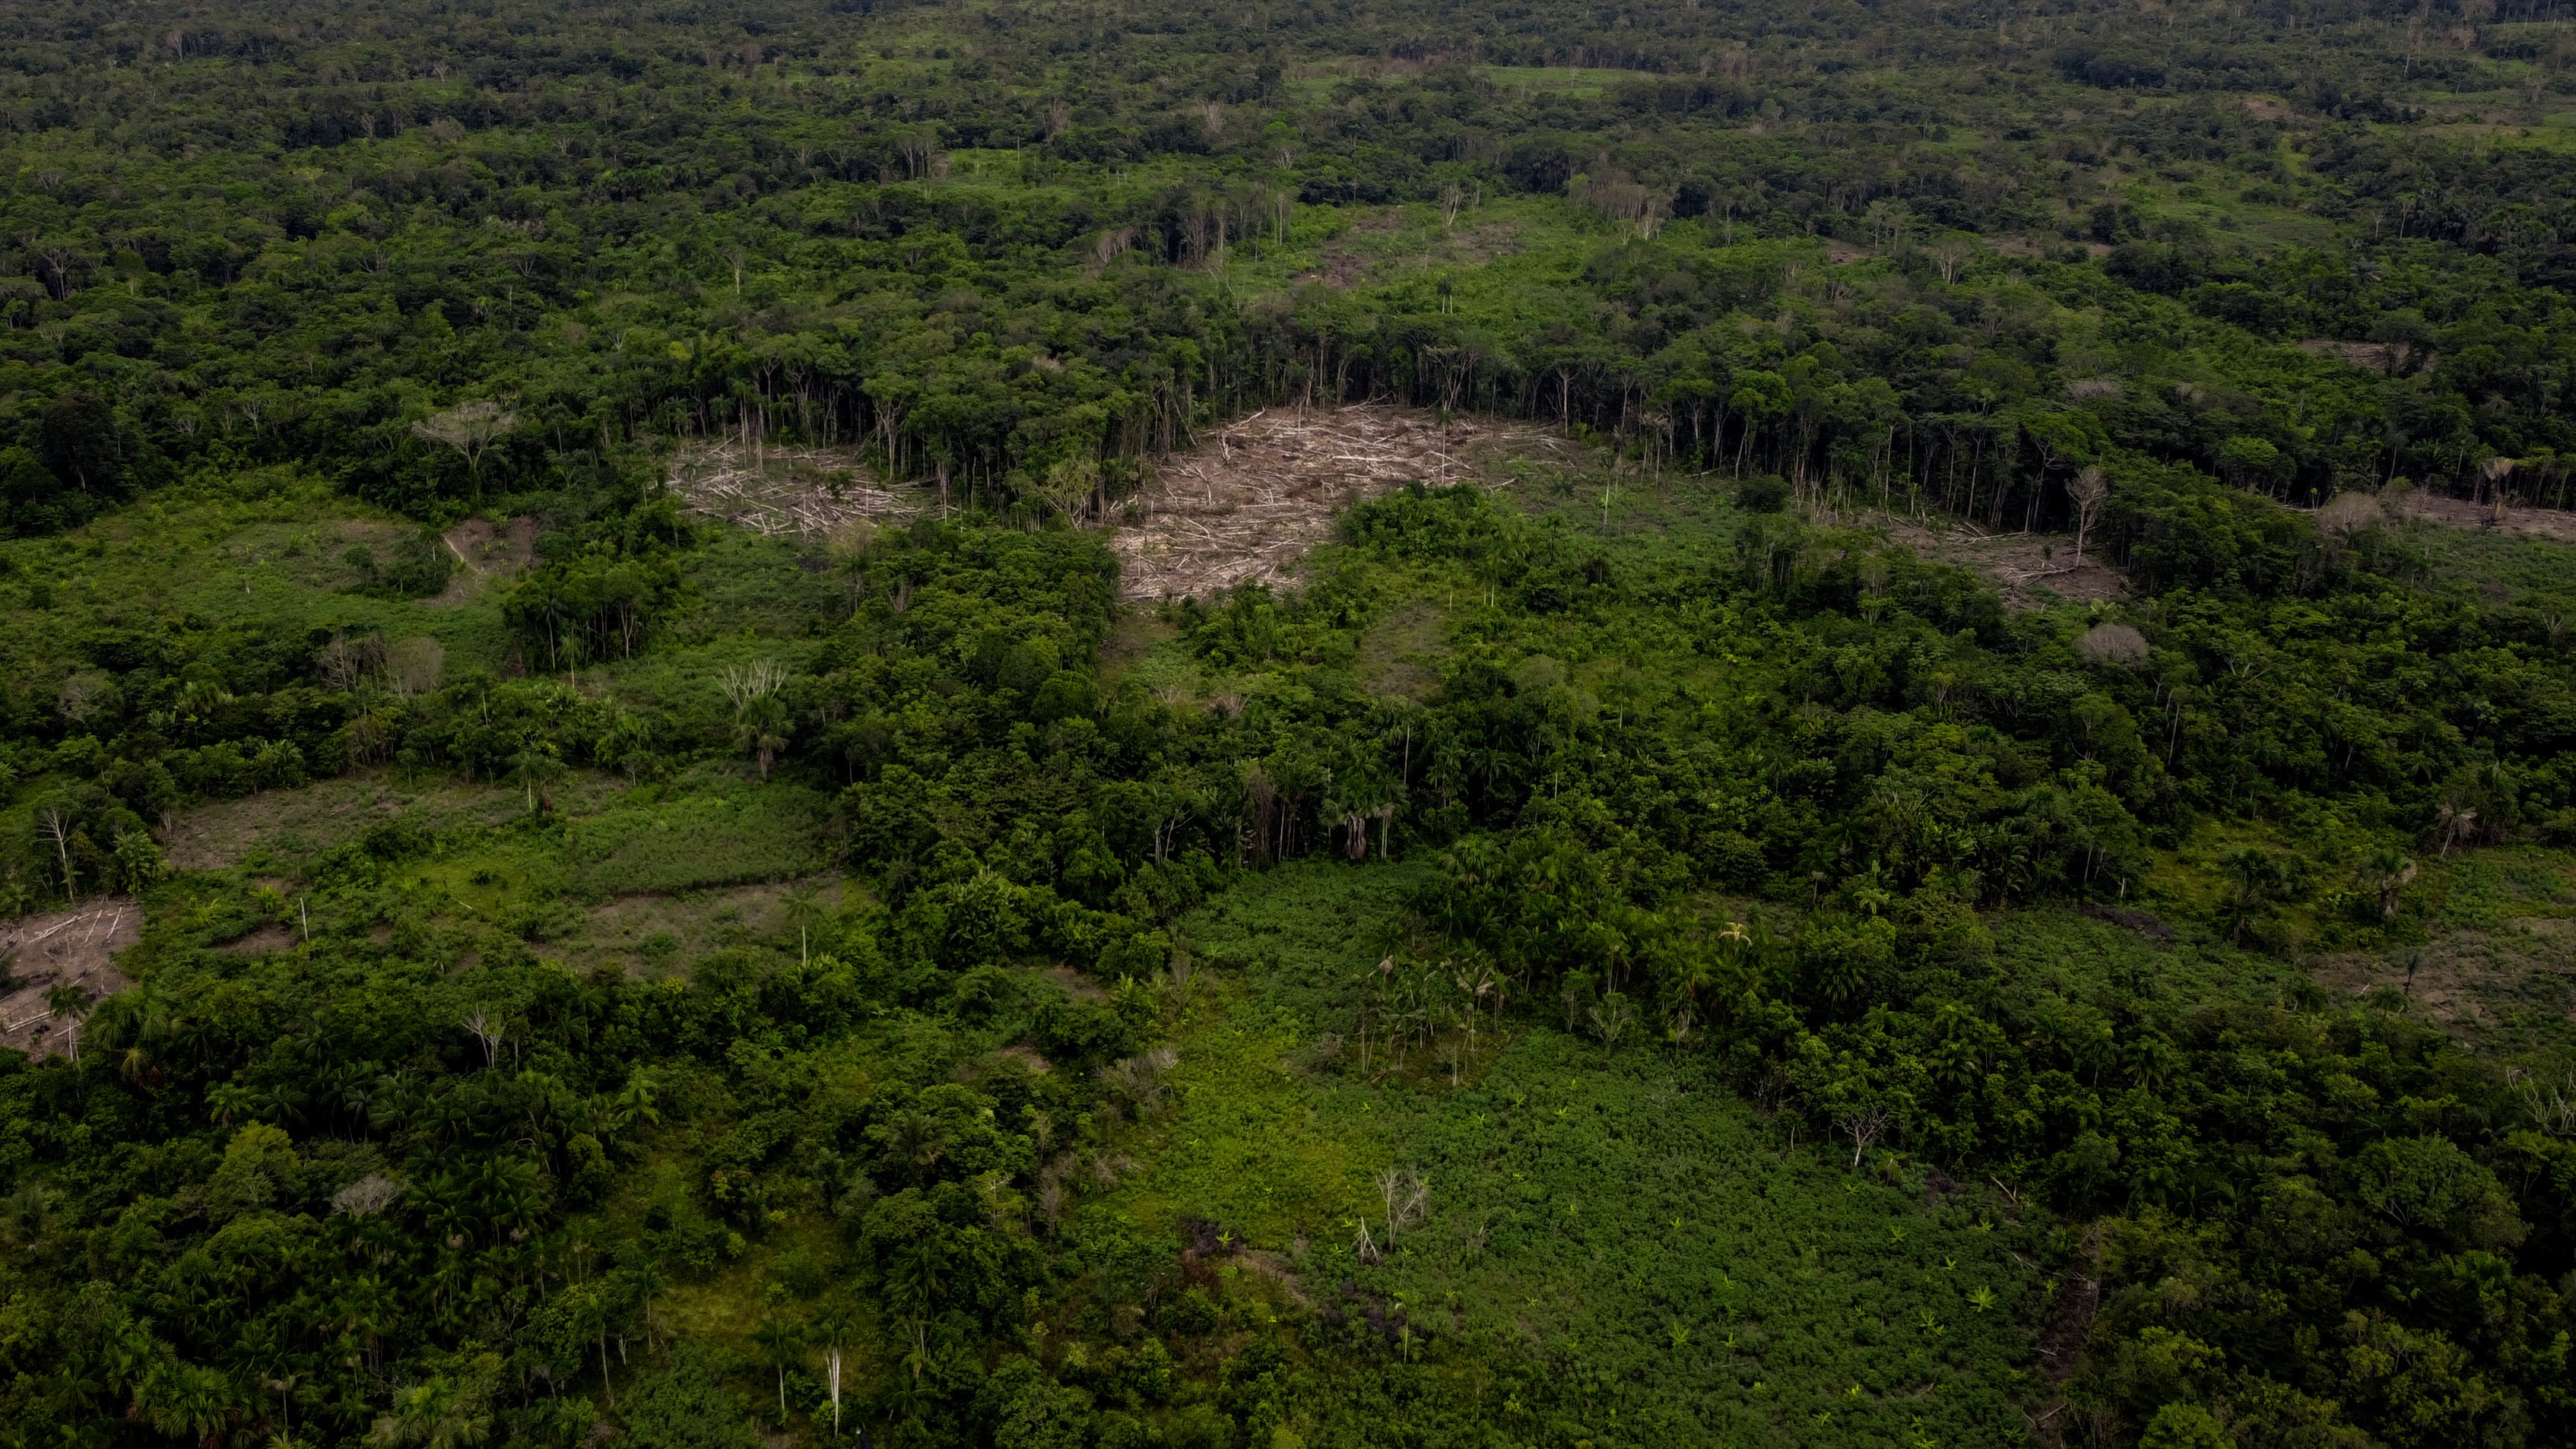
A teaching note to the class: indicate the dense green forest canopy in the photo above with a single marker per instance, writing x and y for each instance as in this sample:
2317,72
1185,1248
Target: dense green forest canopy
1641,947
1006,241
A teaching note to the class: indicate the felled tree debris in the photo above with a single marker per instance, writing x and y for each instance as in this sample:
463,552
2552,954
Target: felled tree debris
1246,505
802,490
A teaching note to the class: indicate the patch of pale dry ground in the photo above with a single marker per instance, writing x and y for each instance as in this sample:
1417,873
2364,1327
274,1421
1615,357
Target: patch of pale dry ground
1246,505
78,945
2471,979
802,490
2029,568
2552,523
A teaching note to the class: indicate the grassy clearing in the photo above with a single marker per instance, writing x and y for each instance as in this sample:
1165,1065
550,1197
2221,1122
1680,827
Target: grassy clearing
1584,81
1594,1221
1623,1220
2520,568
290,830
708,830
266,554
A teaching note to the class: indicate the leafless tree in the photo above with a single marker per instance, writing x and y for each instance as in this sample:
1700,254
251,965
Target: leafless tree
489,1028
2090,490
83,695
413,666
1110,244
367,1196
1407,1197
746,682
56,825
2552,1104
1863,1127
920,150
2113,644
344,661
470,427
1629,203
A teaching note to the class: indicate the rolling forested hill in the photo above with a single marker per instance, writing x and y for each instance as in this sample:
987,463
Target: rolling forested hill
1123,725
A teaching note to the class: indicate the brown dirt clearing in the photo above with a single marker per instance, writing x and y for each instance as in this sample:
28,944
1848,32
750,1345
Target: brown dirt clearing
76,945
2549,523
262,941
1247,504
2469,980
495,548
486,550
2368,356
2030,568
810,492
1077,985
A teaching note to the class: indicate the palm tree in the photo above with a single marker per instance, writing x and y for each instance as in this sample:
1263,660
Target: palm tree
434,1415
762,726
184,1398
780,1339
69,1001
804,907
835,1322
533,767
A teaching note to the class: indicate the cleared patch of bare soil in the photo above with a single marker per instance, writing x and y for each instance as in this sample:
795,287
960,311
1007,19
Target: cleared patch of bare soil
2030,568
2368,356
2461,513
804,490
78,946
1246,505
2472,980
260,942
495,548
486,550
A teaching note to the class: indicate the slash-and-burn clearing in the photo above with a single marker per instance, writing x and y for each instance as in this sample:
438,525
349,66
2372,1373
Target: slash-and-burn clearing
774,491
1245,505
75,947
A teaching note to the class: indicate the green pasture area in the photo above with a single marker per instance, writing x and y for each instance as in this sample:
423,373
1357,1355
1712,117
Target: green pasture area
1583,81
1598,1222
